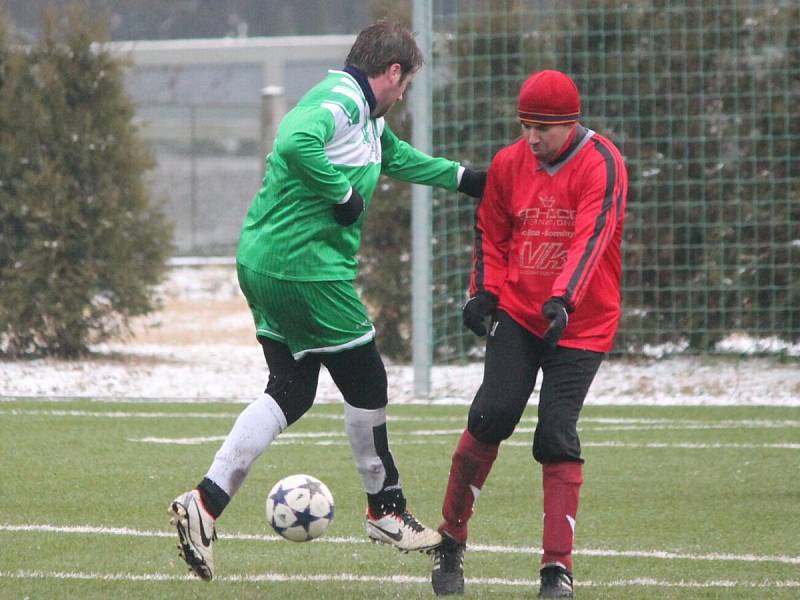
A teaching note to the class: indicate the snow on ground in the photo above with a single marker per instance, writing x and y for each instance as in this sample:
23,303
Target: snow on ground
237,373
190,352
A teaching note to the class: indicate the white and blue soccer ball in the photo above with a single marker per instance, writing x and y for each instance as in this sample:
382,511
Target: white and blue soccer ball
300,507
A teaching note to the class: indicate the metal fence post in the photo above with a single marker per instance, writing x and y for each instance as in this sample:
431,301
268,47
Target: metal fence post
271,103
421,200
193,176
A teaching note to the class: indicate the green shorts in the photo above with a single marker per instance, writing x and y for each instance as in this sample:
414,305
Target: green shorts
307,316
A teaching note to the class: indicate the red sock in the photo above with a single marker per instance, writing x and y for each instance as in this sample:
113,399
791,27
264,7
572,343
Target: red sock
471,464
562,487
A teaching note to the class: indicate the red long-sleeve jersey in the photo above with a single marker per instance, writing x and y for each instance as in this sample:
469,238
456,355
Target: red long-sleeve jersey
546,230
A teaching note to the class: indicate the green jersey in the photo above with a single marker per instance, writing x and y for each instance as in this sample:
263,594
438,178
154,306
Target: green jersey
325,145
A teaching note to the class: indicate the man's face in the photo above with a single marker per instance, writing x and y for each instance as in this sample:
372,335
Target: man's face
546,140
391,89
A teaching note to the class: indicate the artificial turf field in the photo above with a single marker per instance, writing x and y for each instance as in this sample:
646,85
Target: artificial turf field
678,502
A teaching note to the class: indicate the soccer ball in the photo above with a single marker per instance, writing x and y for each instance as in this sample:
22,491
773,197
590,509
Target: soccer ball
300,507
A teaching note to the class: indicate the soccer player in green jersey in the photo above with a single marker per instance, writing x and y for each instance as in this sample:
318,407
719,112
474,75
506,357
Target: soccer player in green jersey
297,266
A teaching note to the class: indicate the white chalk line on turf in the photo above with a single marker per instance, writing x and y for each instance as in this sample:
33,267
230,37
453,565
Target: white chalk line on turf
329,438
283,441
491,549
400,439
679,445
605,423
116,414
395,579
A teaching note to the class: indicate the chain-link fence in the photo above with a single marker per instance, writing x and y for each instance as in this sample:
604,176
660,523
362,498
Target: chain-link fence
702,98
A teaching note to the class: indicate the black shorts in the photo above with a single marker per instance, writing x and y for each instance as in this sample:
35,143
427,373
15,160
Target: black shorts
514,357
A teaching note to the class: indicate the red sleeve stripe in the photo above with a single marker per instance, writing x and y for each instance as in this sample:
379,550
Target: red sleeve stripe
575,287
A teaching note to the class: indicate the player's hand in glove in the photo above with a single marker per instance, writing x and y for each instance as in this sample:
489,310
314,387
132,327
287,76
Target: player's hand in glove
475,311
348,212
472,183
555,310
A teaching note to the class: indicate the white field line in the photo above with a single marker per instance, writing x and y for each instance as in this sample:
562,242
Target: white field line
396,579
115,414
239,405
620,424
100,399
399,440
325,438
699,425
336,438
282,441
490,549
687,445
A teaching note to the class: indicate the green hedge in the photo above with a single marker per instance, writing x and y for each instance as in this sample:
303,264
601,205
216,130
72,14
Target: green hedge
81,244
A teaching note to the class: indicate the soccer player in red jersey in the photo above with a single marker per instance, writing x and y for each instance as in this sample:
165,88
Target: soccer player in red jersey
546,276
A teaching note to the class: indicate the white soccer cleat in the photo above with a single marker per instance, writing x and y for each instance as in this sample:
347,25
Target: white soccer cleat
403,531
196,533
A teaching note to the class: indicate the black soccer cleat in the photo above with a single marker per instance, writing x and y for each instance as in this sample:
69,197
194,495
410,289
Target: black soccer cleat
556,582
447,576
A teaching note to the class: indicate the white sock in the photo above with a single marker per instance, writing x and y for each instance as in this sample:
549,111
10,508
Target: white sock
359,425
254,430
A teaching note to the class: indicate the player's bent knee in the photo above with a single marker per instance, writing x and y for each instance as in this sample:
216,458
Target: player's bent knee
360,375
293,394
491,428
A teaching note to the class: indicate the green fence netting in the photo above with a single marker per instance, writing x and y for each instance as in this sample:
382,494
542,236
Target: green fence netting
702,98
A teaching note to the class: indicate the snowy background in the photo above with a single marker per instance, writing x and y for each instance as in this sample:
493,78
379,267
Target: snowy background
201,346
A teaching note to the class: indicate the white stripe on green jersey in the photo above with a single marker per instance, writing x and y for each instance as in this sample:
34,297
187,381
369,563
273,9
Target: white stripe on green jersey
326,144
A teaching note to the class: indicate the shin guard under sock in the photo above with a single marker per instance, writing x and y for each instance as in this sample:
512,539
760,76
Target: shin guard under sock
471,464
254,430
369,441
561,483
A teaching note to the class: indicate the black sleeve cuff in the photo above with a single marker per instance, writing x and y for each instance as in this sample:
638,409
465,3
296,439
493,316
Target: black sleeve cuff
472,183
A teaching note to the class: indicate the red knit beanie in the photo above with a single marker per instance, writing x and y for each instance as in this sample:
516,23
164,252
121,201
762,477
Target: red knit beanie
549,98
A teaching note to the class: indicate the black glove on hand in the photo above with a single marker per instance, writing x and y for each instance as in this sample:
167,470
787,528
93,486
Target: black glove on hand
472,183
348,212
555,310
475,311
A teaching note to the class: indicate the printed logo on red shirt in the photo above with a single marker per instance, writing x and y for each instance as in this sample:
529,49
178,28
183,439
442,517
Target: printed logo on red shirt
546,258
559,217
541,256
547,201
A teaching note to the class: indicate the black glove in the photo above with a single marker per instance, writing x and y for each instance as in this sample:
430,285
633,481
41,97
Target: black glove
555,310
472,183
348,212
476,309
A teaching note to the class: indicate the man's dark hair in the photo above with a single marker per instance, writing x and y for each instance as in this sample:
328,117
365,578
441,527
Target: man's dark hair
382,44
